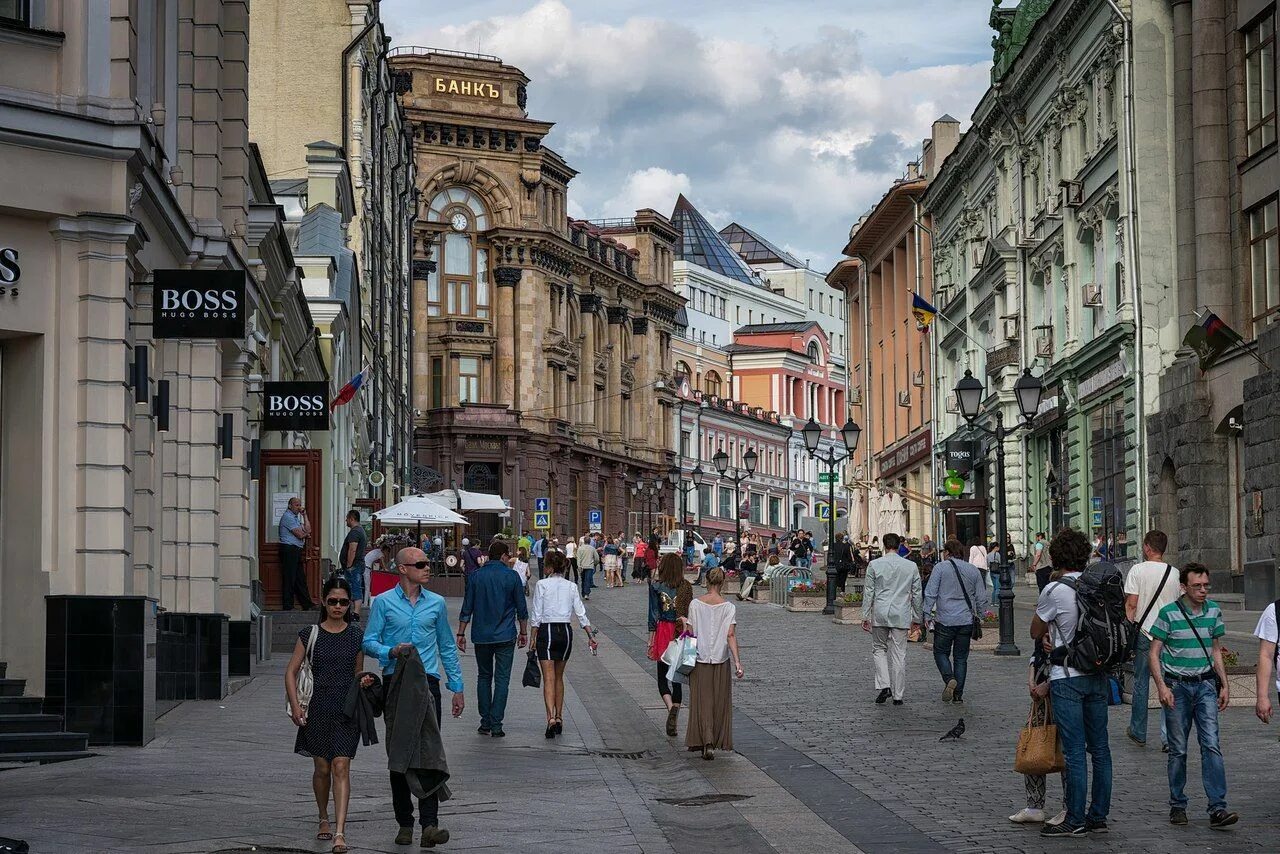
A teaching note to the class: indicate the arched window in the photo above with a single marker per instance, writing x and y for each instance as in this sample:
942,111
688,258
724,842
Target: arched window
460,285
683,369
712,383
815,353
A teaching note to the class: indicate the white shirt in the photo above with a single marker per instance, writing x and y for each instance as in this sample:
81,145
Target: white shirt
371,557
1266,630
711,626
556,600
1057,607
1143,580
978,556
521,568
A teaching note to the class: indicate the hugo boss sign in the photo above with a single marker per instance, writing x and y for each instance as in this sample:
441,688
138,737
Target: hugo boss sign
198,304
295,406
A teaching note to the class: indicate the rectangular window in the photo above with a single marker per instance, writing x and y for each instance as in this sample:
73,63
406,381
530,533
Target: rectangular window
468,380
757,508
15,12
1264,268
810,299
1108,515
726,503
434,308
704,499
437,382
482,284
460,297
775,512
1260,83
686,438
724,308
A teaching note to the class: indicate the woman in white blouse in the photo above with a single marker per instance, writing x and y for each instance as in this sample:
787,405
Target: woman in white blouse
556,602
712,619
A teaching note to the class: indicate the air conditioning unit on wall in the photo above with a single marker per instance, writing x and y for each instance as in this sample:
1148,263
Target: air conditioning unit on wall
1011,329
917,379
1044,345
953,403
855,396
1072,194
904,398
1092,296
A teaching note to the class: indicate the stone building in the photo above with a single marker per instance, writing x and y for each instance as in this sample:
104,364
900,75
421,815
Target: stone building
1042,261
127,476
542,348
891,363
1211,461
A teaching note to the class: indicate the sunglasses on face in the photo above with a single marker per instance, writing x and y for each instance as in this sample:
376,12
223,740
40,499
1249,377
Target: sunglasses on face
337,603
422,564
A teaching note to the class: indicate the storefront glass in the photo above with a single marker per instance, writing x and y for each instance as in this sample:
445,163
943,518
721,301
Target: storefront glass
1107,505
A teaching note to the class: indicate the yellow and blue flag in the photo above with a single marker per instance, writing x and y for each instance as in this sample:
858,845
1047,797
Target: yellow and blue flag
924,312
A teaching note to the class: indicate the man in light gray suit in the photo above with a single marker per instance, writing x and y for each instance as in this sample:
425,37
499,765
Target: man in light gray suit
892,600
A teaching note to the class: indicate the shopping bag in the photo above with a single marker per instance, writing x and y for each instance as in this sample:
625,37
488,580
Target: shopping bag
688,654
675,677
532,672
671,655
1039,751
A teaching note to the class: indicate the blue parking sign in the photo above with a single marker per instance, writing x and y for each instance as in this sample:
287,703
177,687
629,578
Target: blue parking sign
594,519
542,505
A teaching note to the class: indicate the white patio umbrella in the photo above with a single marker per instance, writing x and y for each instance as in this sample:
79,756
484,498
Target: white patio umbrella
471,502
419,510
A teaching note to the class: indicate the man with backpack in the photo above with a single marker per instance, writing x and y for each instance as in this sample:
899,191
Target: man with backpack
1148,587
1078,678
1186,660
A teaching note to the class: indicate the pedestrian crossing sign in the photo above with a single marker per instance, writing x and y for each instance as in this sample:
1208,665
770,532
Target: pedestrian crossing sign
542,520
824,511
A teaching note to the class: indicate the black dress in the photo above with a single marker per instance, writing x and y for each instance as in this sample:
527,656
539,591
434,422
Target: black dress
327,732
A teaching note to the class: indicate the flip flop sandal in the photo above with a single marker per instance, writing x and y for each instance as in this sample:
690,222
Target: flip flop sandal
324,834
340,844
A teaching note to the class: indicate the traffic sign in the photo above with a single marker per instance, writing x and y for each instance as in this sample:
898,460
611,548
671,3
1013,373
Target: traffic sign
542,520
826,477
594,520
824,511
542,505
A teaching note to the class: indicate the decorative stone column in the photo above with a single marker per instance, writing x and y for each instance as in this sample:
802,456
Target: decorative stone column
507,278
643,342
588,304
421,271
617,315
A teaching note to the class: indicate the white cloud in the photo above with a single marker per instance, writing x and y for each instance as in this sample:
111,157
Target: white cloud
653,187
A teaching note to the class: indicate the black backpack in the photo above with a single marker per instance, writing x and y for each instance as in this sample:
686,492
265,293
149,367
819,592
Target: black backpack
1102,640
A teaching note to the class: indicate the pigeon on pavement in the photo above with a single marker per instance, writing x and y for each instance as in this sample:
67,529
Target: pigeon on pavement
955,732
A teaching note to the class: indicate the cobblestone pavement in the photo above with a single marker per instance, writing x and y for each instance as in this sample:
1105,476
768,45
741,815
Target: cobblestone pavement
809,684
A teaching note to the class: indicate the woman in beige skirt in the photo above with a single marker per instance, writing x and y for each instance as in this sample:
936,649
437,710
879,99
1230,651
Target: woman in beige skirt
712,619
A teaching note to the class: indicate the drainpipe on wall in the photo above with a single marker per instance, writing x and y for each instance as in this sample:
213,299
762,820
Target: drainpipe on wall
868,410
933,367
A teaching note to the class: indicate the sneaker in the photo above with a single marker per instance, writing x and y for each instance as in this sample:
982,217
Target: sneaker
1027,815
883,696
1218,819
497,733
1063,830
483,730
957,698
1177,815
949,692
405,836
1057,819
433,836
1141,742
897,702
1096,825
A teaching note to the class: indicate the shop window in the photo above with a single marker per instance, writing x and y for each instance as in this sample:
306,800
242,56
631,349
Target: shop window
1264,268
1107,510
437,382
468,380
15,12
1260,83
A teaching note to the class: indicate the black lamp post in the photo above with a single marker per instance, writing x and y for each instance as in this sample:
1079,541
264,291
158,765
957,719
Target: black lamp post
749,461
849,433
969,394
648,493
682,489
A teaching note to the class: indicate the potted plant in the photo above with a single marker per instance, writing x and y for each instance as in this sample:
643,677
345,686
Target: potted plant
849,609
807,596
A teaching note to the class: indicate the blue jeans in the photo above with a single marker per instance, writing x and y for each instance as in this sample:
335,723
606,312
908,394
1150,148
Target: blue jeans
1141,692
951,643
588,580
493,667
1195,701
1080,710
804,562
995,588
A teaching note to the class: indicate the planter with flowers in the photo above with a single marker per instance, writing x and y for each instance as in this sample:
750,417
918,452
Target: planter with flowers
807,596
848,609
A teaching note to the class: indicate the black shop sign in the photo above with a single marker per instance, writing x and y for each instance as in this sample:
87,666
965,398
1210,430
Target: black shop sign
961,455
198,304
295,406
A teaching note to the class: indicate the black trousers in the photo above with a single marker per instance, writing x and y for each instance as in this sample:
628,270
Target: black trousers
293,580
842,575
1042,576
666,687
402,798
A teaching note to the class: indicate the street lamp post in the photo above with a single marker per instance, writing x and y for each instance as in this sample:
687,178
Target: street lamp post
648,494
749,460
969,394
681,489
812,433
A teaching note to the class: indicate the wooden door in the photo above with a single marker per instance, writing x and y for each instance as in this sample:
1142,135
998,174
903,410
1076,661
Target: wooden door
286,473
966,520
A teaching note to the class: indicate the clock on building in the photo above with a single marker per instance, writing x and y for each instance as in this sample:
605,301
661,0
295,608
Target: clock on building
459,221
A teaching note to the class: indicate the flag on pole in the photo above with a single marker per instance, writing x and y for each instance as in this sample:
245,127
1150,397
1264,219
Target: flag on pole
349,390
924,312
1210,337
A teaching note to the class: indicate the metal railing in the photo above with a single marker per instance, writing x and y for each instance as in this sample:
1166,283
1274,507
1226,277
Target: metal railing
415,50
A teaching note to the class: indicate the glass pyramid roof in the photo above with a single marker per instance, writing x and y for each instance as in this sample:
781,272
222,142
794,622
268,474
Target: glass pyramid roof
754,249
701,244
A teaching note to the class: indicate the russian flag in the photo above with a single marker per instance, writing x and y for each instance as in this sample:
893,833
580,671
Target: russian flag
349,390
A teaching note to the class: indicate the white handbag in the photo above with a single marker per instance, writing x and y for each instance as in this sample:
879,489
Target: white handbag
306,681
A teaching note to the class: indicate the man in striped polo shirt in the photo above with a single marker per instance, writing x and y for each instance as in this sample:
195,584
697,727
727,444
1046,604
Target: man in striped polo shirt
1186,661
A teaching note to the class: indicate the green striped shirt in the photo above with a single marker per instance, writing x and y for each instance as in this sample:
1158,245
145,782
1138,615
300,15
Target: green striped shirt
1182,653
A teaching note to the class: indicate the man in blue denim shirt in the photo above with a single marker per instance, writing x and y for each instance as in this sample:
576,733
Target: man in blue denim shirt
495,597
956,608
403,619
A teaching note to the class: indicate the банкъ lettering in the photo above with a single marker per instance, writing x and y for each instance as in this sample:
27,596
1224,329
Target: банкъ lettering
473,88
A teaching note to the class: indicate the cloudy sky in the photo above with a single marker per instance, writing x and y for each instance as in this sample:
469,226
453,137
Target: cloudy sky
791,118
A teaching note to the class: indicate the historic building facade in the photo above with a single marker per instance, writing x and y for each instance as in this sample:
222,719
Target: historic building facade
1042,261
542,347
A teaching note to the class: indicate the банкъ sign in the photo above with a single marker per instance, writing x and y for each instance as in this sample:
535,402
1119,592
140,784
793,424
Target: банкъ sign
10,272
198,304
295,406
470,88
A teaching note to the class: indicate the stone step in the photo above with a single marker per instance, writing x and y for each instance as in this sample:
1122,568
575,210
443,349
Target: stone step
21,705
1229,601
30,723
12,687
42,742
43,757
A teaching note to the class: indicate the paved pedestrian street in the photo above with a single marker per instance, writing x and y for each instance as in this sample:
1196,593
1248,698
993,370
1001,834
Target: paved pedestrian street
818,766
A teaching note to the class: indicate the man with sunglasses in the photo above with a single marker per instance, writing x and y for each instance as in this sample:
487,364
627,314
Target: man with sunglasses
404,619
1186,661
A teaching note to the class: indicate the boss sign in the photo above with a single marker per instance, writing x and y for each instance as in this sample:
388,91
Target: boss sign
198,304
295,406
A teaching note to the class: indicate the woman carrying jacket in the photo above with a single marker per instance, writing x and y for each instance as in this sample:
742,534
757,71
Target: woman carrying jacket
669,598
